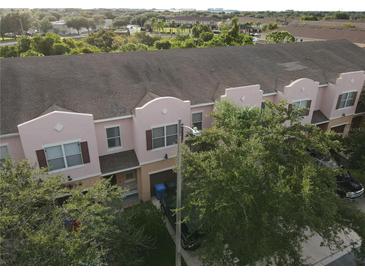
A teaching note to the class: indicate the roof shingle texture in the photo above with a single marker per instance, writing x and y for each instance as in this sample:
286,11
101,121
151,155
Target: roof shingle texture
118,161
113,84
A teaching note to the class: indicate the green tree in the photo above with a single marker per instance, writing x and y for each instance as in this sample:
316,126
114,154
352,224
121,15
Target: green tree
88,228
30,53
77,23
15,22
45,25
277,37
163,44
255,190
103,39
206,36
341,15
121,21
197,29
60,48
24,44
144,38
44,44
9,51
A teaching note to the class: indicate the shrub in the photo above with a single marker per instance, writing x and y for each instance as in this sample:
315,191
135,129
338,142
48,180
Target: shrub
9,51
163,44
206,36
30,53
24,44
60,49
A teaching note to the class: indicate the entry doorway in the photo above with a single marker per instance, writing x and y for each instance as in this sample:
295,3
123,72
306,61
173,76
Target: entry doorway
167,177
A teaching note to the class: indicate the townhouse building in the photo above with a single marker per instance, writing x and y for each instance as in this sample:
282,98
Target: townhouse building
115,114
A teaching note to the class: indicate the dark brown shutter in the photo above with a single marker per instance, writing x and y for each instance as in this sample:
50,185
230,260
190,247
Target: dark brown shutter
85,152
339,101
182,133
149,139
41,156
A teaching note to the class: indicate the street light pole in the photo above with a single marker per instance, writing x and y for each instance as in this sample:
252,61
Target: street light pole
178,197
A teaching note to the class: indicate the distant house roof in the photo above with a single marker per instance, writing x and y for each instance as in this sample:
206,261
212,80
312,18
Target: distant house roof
318,117
193,18
113,84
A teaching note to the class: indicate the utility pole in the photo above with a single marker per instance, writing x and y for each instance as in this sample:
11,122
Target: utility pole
178,196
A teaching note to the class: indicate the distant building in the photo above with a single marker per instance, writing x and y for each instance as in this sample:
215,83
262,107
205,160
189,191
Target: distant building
191,20
133,28
215,10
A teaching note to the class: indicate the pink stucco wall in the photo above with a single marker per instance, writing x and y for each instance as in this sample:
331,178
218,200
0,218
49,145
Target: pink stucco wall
351,81
158,112
126,132
15,148
302,89
41,131
207,114
248,96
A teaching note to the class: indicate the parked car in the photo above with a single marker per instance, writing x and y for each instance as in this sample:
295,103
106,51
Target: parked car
347,186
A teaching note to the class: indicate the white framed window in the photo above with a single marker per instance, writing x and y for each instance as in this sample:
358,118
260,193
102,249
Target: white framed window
164,136
197,120
63,155
346,99
303,104
113,137
4,153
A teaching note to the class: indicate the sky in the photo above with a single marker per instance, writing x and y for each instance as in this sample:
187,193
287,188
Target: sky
246,5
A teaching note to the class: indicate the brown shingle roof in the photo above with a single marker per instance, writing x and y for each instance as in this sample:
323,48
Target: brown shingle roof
118,161
112,84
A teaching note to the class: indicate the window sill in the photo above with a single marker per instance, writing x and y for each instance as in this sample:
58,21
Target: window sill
115,148
65,169
345,108
161,148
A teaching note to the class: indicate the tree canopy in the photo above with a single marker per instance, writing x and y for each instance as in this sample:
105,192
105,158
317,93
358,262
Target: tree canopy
39,225
256,191
280,37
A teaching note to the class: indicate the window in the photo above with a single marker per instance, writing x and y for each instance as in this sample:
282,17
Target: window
4,153
171,135
197,119
346,100
62,156
113,137
158,137
164,136
303,104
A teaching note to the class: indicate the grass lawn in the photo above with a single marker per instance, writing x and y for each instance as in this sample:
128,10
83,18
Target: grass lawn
151,219
7,39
